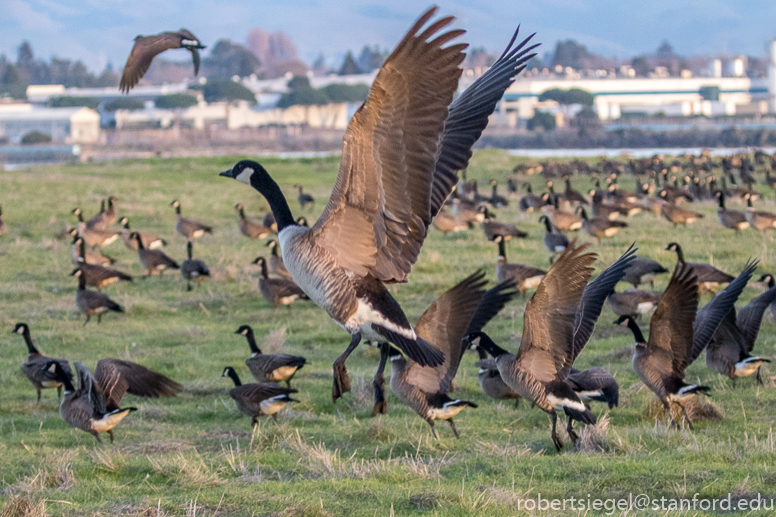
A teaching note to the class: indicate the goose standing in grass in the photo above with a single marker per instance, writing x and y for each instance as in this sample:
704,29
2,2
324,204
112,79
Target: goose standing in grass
94,236
677,336
277,291
559,320
97,221
761,220
707,275
447,223
270,367
304,199
97,276
92,303
571,195
633,302
770,283
249,228
492,228
188,227
152,260
193,269
730,350
530,201
733,219
602,210
525,277
276,266
496,200
146,48
678,215
560,219
95,406
109,214
599,227
36,368
555,243
89,256
391,184
643,271
3,226
255,400
149,241
269,221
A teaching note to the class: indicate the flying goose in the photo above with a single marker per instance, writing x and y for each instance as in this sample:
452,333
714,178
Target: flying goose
678,335
632,302
152,260
270,367
94,236
249,228
278,291
193,269
304,199
149,241
276,266
678,215
555,243
95,406
97,276
559,320
391,184
525,277
256,400
733,219
146,48
760,220
36,368
92,302
599,227
708,276
3,226
730,350
90,257
492,228
643,271
187,227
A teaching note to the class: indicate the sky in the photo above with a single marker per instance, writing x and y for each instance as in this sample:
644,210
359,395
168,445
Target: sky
101,31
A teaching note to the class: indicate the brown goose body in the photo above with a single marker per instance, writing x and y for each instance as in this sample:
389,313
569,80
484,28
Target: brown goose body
193,269
152,260
707,275
595,384
678,215
36,367
491,382
98,221
276,266
249,228
277,291
149,241
270,367
255,400
734,219
148,47
602,210
525,277
189,228
643,271
600,227
89,256
633,302
98,276
562,220
92,303
492,228
758,219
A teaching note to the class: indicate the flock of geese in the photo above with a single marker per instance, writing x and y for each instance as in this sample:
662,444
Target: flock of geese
399,174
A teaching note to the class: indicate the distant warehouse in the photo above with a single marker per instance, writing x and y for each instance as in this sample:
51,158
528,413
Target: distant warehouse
64,125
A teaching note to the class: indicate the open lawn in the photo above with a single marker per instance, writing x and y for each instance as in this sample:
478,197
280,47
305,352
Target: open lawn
196,454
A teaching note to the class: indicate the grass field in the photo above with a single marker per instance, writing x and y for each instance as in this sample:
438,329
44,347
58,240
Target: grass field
196,454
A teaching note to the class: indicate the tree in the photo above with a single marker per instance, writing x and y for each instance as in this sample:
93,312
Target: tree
228,60
298,83
349,66
12,84
228,91
124,103
541,119
301,93
36,137
66,101
370,58
568,97
340,92
665,50
175,101
640,65
570,53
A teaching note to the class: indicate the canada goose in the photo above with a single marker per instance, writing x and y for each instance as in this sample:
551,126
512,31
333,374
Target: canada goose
733,219
276,266
90,256
94,406
187,227
555,243
770,282
525,277
530,201
192,269
643,271
36,367
98,276
277,291
249,228
562,220
269,221
492,228
3,227
92,302
599,227
302,198
490,379
730,350
152,260
447,223
595,384
93,236
497,200
572,195
559,320
760,220
678,215
98,221
270,367
109,214
302,221
602,210
678,335
465,214
632,302
708,276
344,262
149,241
147,47
256,400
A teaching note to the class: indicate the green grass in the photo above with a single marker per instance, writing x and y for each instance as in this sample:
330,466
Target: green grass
196,454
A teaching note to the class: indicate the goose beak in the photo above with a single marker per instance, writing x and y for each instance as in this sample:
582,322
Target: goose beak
228,173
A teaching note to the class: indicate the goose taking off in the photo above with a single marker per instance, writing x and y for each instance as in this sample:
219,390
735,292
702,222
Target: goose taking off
401,154
146,48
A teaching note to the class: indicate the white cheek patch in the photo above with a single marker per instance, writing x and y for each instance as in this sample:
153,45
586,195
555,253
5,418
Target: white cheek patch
245,176
20,331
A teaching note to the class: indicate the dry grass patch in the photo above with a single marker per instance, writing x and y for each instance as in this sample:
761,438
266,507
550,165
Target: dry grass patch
187,472
698,409
23,506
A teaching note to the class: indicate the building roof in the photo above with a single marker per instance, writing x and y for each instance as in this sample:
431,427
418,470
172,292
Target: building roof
48,114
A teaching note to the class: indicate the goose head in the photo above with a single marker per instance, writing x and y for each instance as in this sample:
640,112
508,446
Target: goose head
248,172
244,330
21,328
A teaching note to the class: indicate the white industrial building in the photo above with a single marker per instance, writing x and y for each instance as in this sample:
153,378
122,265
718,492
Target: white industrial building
64,125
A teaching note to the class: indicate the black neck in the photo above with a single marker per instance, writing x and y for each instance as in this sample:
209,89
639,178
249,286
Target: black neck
680,255
80,217
139,241
495,186
252,342
264,272
28,339
110,203
126,225
233,375
547,225
502,250
102,206
528,188
482,353
583,213
178,210
488,344
274,249
82,250
241,211
568,183
721,199
277,201
62,377
749,202
636,331
188,249
81,281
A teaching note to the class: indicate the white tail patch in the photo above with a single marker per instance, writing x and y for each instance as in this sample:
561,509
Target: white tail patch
283,373
560,403
645,307
532,282
109,421
589,394
748,366
448,410
273,405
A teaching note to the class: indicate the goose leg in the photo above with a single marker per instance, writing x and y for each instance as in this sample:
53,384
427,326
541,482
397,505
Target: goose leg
433,429
555,438
734,382
59,393
99,318
341,381
188,285
670,416
517,402
452,426
37,388
573,435
275,417
110,433
88,317
380,407
758,378
686,416
95,434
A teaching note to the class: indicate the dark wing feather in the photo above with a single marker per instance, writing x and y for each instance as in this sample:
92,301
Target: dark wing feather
376,218
593,299
195,59
469,117
255,393
116,377
87,388
143,53
710,316
491,304
750,317
444,325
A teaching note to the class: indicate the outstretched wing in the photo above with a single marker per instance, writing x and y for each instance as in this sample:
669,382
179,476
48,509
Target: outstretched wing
86,386
377,216
143,53
115,377
750,317
492,302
